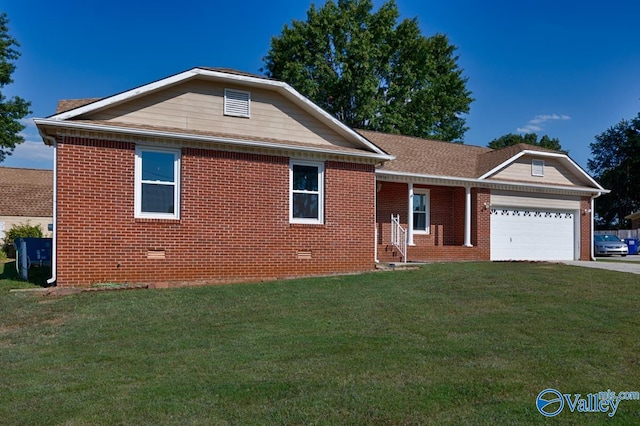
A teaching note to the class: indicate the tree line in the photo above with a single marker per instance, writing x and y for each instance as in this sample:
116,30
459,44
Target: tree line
373,71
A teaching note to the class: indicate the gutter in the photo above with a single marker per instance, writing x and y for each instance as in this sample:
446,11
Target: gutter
215,139
482,183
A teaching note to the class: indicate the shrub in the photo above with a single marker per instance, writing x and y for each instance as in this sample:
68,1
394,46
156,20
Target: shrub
23,230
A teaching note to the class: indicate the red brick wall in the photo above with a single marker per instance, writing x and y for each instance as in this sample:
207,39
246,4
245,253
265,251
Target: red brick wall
234,222
446,238
585,229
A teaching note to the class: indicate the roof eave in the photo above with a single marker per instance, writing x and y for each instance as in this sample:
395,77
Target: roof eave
43,124
461,181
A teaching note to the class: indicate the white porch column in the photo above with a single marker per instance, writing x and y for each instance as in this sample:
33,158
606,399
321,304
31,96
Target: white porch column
467,216
410,216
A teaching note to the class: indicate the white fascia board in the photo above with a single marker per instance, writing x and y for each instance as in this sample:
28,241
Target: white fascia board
502,165
74,125
482,183
281,87
303,102
120,97
561,157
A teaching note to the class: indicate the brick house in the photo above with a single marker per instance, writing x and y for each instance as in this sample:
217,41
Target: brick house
635,220
214,175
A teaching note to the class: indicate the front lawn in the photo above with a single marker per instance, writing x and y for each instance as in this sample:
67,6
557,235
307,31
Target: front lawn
464,343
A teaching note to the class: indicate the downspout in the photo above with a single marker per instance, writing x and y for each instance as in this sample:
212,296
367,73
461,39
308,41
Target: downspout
375,220
54,257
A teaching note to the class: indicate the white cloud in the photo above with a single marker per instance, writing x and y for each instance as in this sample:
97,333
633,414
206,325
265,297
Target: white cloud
536,124
30,154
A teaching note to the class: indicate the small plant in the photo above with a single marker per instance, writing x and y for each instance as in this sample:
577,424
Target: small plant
23,230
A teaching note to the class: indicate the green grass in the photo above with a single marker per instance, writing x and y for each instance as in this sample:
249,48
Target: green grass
465,343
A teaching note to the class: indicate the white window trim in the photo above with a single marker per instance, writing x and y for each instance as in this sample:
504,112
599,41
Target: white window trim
426,192
537,167
320,166
235,98
138,184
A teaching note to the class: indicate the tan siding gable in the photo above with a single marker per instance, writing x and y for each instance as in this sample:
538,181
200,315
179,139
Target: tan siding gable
554,172
198,105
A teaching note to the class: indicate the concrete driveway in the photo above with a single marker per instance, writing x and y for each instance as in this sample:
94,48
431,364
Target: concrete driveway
630,264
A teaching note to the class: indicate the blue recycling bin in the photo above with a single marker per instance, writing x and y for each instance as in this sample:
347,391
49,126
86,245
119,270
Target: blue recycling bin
632,243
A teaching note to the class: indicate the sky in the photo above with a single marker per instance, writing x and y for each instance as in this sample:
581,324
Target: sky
568,69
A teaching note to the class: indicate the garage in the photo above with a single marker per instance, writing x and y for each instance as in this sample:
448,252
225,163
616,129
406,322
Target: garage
519,233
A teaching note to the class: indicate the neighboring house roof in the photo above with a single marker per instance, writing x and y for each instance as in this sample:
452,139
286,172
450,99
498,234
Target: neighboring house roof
26,192
65,105
633,216
467,164
73,115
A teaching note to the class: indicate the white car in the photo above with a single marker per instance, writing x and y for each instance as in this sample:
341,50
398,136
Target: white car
607,244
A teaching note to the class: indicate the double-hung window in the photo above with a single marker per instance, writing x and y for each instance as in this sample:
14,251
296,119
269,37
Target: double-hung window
306,195
421,210
157,180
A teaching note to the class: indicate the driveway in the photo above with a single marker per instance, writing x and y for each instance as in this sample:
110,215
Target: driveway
629,264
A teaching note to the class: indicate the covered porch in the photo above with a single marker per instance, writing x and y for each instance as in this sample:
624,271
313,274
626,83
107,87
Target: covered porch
440,222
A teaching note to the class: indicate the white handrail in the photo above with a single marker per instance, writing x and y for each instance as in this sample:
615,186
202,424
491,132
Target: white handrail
399,236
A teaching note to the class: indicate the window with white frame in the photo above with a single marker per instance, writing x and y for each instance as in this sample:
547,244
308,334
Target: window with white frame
421,211
306,200
157,180
537,167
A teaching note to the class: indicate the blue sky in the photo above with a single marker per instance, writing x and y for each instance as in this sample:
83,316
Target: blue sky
569,69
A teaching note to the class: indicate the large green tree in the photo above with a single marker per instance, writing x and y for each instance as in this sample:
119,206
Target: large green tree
14,109
615,163
528,138
372,72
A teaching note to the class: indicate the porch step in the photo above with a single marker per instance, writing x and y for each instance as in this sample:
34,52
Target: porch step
389,254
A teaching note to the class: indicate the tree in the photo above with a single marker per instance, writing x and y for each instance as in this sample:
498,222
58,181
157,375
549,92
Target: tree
528,138
14,109
371,72
615,163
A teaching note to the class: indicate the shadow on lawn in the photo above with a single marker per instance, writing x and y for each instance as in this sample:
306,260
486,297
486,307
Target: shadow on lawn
37,275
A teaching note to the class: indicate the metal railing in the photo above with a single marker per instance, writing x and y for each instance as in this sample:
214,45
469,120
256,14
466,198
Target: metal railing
399,236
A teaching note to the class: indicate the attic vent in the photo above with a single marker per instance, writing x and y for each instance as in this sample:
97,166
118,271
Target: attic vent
537,167
236,103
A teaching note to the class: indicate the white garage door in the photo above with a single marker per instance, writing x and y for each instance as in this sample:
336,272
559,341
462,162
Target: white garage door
521,234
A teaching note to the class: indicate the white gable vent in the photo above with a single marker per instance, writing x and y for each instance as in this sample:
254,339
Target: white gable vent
537,167
237,103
